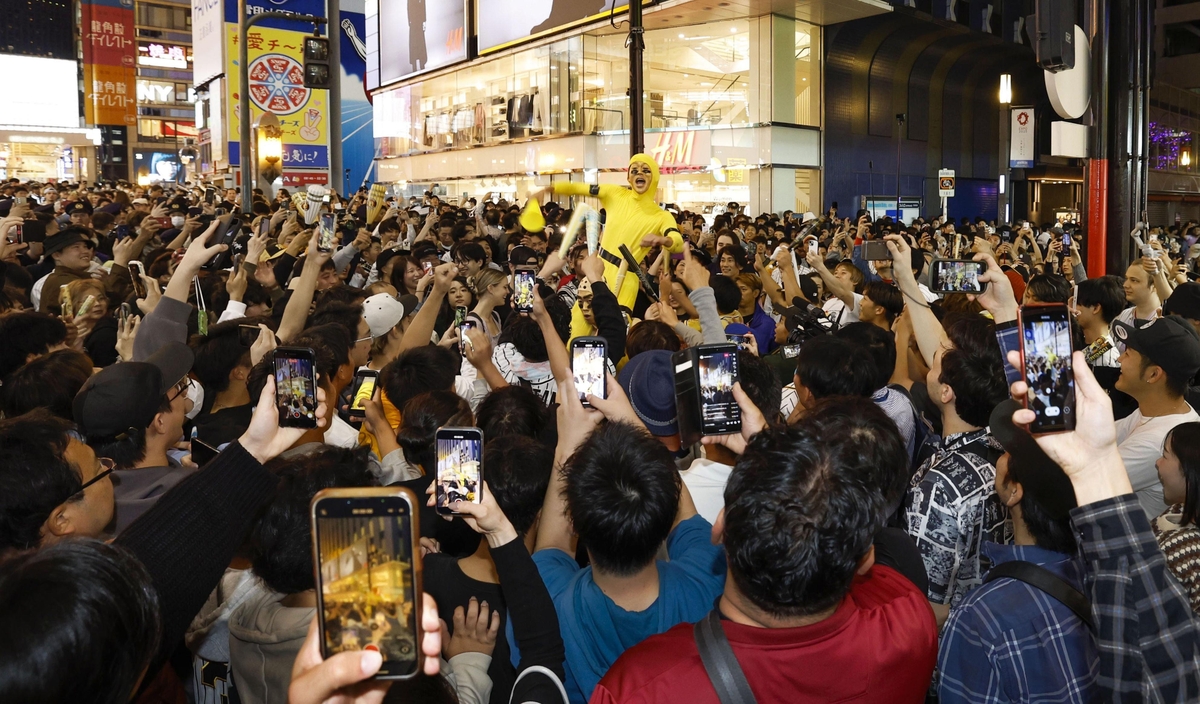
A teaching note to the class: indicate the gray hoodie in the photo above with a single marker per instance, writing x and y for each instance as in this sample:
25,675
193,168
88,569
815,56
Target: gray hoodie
264,639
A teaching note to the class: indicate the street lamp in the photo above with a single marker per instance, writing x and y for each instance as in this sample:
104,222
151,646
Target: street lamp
1005,176
1185,158
269,148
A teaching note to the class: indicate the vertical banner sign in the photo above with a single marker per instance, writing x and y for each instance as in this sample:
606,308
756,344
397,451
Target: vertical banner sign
358,143
208,40
109,56
277,85
1023,150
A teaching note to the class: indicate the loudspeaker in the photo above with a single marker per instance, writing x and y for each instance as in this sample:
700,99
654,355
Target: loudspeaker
1053,34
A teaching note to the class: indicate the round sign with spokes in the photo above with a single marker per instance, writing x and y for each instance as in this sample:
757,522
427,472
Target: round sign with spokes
277,84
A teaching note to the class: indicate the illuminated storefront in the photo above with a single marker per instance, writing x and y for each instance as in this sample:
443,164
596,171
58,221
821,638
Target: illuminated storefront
732,114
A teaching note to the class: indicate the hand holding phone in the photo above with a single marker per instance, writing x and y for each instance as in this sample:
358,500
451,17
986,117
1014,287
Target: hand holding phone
364,388
325,233
366,559
522,297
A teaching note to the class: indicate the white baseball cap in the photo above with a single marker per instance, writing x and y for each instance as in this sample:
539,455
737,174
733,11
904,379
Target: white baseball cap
382,311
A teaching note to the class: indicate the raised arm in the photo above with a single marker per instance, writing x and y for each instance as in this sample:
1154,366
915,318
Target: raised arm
575,424
295,314
928,330
842,290
420,330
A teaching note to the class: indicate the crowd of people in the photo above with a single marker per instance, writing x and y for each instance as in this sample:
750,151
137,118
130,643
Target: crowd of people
882,527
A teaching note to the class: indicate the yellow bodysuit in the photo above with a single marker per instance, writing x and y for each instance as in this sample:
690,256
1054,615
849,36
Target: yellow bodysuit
628,218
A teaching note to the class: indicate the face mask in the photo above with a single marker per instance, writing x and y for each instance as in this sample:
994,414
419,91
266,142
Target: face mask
177,221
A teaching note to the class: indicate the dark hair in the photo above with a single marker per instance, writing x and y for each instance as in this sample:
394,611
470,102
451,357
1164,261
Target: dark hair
219,353
345,314
622,491
978,381
804,503
79,606
512,410
1184,441
281,538
421,416
35,477
421,369
761,384
887,297
1104,291
879,343
728,295
471,251
1048,530
1048,288
526,336
518,472
50,381
832,366
739,256
651,335
1177,386
348,299
331,344
28,333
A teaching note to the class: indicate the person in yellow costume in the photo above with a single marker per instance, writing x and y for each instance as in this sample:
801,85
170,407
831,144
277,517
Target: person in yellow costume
633,219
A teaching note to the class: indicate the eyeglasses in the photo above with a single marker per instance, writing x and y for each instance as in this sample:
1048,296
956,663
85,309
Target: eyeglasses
106,468
180,389
364,339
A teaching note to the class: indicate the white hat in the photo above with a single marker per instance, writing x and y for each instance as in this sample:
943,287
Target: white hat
382,312
140,201
807,217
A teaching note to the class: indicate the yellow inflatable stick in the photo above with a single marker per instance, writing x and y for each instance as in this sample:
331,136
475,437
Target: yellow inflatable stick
631,215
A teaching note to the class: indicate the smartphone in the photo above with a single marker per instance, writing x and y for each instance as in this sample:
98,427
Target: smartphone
1066,240
123,314
164,223
523,282
364,389
956,276
295,387
716,372
136,272
248,335
16,234
459,467
812,246
227,230
740,340
20,200
752,249
367,566
193,212
588,367
460,315
264,225
121,231
462,335
427,266
210,195
1046,349
202,452
791,351
875,250
1074,303
325,233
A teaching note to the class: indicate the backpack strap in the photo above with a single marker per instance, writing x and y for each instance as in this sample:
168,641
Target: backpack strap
1041,578
720,663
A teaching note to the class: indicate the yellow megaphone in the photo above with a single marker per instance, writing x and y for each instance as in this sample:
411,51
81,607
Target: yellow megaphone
531,218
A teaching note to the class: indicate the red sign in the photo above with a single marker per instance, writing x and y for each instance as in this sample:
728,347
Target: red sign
109,54
305,178
277,84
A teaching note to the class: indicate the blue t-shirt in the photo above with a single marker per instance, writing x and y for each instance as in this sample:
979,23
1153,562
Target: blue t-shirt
596,631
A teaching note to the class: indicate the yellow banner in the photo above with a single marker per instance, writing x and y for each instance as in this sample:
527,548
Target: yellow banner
276,75
111,94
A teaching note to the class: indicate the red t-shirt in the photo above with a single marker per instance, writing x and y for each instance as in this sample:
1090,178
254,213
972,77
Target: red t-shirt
880,645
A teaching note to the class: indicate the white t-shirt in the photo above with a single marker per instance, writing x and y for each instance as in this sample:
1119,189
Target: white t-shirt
341,434
834,308
706,481
1140,441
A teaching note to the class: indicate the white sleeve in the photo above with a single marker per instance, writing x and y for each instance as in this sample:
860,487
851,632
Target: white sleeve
468,673
233,311
394,467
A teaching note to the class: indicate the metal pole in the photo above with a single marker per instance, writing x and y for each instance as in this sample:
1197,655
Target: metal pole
244,24
1002,166
334,13
637,45
899,147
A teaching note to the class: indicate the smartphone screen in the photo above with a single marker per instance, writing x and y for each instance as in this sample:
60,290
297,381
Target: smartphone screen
460,315
1066,240
523,290
136,272
364,389
957,276
459,467
202,452
588,367
1046,355
210,195
427,266
717,371
295,387
325,233
740,341
121,231
462,335
368,575
17,234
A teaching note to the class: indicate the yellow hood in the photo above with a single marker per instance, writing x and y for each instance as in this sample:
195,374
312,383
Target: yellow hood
648,161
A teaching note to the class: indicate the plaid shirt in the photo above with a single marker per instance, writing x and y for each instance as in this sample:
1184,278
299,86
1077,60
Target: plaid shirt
952,509
1148,637
1010,642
